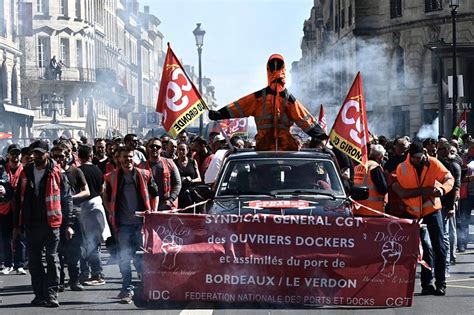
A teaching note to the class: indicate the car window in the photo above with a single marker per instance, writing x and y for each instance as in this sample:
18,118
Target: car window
274,176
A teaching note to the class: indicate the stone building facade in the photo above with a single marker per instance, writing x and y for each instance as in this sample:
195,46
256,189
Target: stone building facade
402,49
16,117
112,56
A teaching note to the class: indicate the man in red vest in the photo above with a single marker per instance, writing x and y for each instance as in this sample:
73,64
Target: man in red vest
42,197
165,173
129,190
14,260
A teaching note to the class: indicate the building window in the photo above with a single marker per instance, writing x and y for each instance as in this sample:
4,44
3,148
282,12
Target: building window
63,7
64,51
433,5
42,6
400,64
43,46
45,105
3,24
79,53
350,15
14,86
78,9
343,18
395,8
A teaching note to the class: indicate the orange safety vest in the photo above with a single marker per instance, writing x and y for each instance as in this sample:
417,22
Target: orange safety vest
275,110
375,200
5,207
111,179
167,167
434,174
52,196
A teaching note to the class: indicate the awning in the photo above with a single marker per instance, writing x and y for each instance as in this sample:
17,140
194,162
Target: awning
56,126
19,110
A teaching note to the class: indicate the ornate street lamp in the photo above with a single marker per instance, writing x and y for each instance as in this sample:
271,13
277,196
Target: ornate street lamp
454,5
56,105
199,36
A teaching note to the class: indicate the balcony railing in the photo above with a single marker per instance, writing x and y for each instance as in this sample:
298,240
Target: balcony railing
67,74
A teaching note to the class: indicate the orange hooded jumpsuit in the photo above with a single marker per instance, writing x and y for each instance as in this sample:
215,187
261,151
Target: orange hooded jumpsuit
275,110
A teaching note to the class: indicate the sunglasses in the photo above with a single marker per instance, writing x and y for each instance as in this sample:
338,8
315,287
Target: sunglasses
58,156
154,147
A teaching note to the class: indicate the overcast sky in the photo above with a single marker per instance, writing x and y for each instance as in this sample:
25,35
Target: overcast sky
240,36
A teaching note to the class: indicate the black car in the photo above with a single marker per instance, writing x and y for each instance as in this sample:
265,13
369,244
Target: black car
303,183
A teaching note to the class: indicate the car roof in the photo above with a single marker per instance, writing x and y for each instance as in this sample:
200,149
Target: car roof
246,154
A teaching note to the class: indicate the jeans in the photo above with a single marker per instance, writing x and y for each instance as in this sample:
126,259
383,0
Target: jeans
70,253
13,250
465,208
130,240
449,237
38,238
434,250
92,226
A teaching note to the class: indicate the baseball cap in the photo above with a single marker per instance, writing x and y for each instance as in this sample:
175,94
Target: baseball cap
416,149
218,138
40,146
14,147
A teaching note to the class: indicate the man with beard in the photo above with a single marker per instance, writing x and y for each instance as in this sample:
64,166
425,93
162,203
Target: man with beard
70,247
42,196
165,173
100,157
129,190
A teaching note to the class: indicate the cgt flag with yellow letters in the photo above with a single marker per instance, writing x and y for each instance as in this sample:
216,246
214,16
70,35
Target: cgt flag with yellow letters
179,101
350,133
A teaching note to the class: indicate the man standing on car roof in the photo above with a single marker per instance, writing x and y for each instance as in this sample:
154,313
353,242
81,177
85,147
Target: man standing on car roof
275,110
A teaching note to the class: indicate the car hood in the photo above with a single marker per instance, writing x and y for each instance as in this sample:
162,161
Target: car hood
276,205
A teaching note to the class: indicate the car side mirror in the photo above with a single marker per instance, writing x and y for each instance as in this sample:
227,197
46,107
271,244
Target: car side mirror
201,193
359,192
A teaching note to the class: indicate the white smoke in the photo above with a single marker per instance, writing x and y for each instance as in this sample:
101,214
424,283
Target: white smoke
429,131
374,58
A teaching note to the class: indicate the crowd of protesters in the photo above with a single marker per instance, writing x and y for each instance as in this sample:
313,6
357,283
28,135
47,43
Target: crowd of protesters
52,193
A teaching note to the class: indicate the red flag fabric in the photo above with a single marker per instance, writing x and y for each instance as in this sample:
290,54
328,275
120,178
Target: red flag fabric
179,100
350,131
322,119
5,135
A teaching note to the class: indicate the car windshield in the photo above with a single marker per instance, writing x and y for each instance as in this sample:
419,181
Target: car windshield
274,177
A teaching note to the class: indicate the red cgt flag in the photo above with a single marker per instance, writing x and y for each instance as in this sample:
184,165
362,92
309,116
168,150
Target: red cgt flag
350,132
322,119
178,101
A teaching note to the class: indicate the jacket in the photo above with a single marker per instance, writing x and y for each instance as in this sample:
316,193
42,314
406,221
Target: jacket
169,180
433,174
375,200
142,177
53,203
275,110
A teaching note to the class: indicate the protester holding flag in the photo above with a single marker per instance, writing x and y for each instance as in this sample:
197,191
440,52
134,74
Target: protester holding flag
275,110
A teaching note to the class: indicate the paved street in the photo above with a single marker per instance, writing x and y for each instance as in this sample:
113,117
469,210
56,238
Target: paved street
15,295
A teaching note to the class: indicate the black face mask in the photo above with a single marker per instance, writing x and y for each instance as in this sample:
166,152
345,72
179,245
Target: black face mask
275,64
